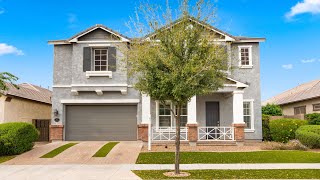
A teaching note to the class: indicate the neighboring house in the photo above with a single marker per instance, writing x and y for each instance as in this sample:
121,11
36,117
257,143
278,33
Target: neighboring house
303,99
30,104
93,98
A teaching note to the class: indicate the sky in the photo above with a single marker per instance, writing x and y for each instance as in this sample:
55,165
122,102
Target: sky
289,57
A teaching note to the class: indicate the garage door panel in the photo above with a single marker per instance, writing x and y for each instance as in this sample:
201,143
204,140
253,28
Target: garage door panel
101,123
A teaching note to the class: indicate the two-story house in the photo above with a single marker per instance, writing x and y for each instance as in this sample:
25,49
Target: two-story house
93,98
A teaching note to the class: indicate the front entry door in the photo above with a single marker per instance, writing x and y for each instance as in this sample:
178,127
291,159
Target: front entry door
212,114
212,119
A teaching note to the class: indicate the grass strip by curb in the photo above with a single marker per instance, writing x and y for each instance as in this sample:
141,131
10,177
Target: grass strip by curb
58,150
104,150
236,174
5,158
230,157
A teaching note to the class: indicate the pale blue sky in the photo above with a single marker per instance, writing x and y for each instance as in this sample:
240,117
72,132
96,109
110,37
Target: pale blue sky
290,56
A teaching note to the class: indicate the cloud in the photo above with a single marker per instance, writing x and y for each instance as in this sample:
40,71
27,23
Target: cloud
307,6
308,60
2,10
8,49
287,66
72,20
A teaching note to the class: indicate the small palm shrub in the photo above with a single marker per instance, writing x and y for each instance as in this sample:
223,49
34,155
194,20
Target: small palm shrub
283,130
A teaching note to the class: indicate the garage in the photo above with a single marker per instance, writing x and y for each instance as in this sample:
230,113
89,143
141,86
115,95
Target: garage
101,123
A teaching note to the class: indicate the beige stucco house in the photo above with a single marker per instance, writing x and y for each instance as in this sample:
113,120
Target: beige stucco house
303,99
25,104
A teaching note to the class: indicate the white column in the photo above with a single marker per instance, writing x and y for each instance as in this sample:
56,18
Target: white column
146,109
192,111
238,107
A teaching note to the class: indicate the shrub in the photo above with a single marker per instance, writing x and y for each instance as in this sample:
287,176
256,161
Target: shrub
309,135
283,130
265,128
272,110
291,145
17,137
313,119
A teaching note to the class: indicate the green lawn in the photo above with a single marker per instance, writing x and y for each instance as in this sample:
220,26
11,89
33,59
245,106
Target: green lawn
5,158
104,150
58,150
230,157
237,174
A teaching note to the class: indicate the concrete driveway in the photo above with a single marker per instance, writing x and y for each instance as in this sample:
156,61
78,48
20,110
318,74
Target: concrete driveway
126,152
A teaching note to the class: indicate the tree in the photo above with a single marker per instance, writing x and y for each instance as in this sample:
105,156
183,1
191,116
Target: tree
272,110
6,77
178,58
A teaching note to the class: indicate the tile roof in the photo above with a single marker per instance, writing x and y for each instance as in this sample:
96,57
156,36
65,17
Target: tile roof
302,92
29,91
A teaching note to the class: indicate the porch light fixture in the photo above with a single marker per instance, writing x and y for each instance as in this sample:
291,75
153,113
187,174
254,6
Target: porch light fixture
56,112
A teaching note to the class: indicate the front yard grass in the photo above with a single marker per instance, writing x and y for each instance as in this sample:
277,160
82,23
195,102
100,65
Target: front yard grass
237,174
58,150
230,157
5,158
104,150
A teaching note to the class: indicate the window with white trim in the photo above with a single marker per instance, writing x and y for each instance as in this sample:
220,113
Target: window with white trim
100,58
248,114
245,56
316,107
166,117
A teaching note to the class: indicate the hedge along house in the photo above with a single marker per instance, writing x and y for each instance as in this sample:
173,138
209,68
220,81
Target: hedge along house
93,98
300,100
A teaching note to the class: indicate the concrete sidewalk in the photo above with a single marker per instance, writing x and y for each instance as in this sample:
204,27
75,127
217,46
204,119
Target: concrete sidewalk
121,171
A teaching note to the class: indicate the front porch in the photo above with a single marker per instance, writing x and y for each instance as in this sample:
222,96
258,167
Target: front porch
213,118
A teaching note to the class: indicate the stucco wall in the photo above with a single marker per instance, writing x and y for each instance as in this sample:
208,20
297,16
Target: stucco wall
2,99
288,109
23,110
250,76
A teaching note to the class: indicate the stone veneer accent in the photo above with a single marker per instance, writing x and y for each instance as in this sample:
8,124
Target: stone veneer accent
192,132
56,132
143,132
239,132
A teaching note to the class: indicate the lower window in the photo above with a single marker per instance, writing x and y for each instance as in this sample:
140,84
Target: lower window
166,116
300,110
248,114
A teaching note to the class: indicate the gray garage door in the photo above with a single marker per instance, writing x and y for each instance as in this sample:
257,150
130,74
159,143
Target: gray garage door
101,123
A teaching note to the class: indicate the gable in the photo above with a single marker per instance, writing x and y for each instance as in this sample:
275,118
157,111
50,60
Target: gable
98,35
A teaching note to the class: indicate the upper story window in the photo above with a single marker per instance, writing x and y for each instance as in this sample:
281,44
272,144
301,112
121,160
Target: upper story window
300,110
316,107
248,114
100,57
245,56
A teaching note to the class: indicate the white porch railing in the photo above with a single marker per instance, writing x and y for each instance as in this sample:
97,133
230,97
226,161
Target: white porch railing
168,134
215,133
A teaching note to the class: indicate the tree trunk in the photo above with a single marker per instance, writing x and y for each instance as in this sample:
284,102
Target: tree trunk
177,157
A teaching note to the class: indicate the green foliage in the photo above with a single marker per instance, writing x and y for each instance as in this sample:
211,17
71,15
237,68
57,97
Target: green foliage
104,150
309,135
58,150
283,130
313,119
236,174
6,77
272,110
230,157
178,62
5,158
17,137
265,127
